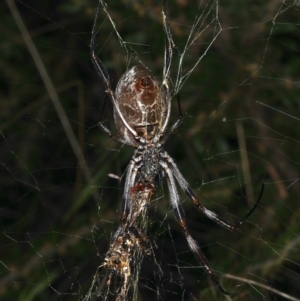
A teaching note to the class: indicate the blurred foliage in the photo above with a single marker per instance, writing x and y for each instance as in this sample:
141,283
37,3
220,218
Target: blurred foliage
55,233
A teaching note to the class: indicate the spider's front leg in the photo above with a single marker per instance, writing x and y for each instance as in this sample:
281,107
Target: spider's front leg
180,217
132,170
210,214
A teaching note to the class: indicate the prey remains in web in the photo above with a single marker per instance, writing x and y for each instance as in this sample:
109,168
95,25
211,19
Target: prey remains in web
142,106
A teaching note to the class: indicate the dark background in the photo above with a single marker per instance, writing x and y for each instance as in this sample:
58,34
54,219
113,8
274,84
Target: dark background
55,231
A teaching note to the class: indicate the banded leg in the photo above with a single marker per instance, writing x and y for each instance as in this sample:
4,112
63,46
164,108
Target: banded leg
102,71
129,183
180,217
166,82
210,214
170,43
177,122
107,130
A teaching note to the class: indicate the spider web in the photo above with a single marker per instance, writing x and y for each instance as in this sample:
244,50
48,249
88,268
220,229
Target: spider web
238,81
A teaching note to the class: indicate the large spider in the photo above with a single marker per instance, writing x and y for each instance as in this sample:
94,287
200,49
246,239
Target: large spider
142,107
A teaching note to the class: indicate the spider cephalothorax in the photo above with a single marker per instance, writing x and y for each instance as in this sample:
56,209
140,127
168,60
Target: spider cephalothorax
149,168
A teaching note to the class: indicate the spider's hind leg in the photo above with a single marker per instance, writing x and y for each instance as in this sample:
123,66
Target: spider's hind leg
177,122
106,130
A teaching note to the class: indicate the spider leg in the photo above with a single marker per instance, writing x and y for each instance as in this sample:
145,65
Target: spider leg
166,82
210,214
112,136
180,217
129,183
177,122
170,42
99,66
102,72
108,132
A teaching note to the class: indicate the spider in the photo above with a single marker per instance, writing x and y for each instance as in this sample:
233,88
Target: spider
142,106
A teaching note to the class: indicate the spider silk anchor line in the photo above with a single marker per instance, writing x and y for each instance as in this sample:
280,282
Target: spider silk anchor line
142,106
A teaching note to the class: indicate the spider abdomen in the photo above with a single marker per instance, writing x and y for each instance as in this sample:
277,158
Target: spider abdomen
140,100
